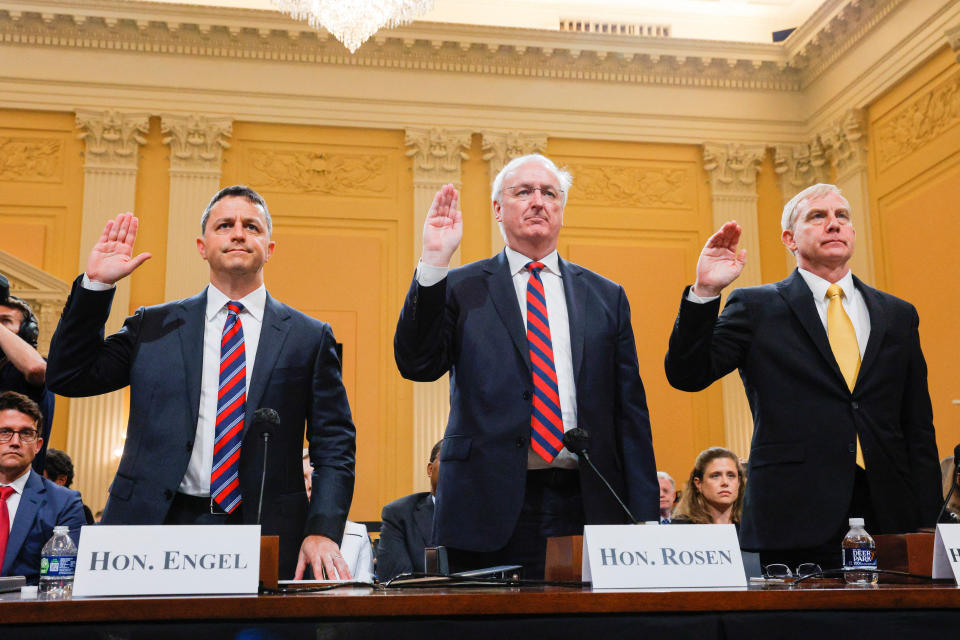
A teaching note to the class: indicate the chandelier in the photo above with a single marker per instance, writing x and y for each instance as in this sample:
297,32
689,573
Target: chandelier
353,21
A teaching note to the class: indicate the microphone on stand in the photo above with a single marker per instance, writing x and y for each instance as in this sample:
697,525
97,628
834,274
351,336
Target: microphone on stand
577,440
953,485
264,422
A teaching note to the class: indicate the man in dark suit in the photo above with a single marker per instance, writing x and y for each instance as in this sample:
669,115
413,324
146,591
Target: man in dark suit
535,346
198,369
30,505
407,527
829,365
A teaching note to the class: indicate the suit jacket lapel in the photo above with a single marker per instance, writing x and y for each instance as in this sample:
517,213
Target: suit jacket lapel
504,297
34,495
193,312
273,332
575,293
423,517
878,325
798,296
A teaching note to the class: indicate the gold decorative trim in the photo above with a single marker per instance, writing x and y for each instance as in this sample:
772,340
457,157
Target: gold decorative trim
30,159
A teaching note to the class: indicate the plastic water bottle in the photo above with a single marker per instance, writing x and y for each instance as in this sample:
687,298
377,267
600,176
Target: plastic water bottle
58,561
859,555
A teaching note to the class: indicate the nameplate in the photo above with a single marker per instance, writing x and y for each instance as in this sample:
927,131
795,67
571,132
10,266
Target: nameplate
167,560
662,556
946,552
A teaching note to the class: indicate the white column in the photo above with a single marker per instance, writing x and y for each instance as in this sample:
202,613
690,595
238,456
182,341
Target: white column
437,155
732,169
847,143
799,166
196,152
499,148
97,425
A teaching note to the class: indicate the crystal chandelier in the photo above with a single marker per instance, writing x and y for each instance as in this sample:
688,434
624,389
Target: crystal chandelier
353,21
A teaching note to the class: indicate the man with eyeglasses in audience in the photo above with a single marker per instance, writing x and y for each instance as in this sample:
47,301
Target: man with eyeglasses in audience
30,505
535,346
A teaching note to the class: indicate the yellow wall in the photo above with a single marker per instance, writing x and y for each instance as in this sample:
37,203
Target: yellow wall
41,199
914,159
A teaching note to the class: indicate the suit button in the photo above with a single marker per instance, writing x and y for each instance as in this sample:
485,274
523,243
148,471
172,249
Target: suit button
521,442
855,405
190,446
168,494
852,447
526,395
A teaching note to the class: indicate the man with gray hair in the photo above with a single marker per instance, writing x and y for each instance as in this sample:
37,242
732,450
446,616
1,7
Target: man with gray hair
831,367
534,346
198,369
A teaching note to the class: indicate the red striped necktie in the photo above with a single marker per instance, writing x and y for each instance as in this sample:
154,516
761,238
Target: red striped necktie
545,420
231,406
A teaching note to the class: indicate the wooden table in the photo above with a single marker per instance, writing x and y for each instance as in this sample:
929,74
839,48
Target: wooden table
812,611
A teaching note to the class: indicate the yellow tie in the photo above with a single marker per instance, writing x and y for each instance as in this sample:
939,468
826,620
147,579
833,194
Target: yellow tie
843,343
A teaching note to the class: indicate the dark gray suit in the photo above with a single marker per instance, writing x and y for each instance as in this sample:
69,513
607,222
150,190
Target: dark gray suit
158,353
407,529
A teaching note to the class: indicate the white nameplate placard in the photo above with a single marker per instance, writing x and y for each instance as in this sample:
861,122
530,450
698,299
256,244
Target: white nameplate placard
946,552
662,556
167,560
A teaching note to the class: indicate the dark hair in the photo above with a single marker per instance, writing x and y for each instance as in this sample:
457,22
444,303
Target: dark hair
29,331
435,451
237,191
57,464
693,506
11,400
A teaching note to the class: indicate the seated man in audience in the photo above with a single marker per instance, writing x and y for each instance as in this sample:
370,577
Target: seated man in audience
59,468
668,496
30,505
408,527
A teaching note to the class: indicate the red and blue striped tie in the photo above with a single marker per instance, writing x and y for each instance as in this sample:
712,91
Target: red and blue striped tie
545,420
231,405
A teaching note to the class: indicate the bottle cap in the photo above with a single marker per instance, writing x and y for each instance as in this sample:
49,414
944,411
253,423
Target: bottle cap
652,522
61,529
856,522
28,593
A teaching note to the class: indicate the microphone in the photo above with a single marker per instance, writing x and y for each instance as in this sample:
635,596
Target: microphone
264,422
953,486
577,440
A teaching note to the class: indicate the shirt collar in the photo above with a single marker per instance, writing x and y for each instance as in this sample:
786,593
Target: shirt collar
20,483
518,261
253,303
819,286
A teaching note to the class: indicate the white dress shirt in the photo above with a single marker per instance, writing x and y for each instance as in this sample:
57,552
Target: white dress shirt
559,335
14,500
853,303
196,482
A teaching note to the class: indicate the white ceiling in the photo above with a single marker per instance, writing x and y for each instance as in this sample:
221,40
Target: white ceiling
732,20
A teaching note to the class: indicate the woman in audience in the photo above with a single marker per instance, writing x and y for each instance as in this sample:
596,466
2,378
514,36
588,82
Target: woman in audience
714,493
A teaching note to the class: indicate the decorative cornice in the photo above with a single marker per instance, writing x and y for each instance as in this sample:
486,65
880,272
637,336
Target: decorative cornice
112,137
159,28
500,147
733,167
847,142
834,29
799,166
196,141
437,153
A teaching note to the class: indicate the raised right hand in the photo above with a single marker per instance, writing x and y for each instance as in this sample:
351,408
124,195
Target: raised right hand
720,262
443,228
112,259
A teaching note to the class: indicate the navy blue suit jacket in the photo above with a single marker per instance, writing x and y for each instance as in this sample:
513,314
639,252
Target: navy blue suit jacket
158,353
470,324
407,529
805,418
43,506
